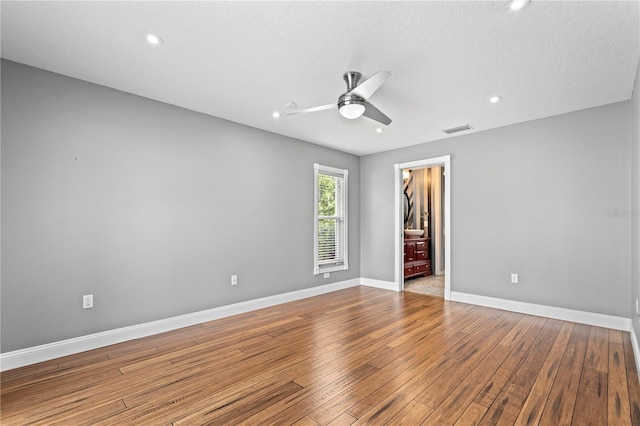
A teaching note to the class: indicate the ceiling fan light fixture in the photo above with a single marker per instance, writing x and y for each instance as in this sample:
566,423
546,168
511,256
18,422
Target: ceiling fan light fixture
352,110
350,106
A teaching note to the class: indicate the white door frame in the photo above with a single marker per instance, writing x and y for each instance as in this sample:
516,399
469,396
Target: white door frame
398,231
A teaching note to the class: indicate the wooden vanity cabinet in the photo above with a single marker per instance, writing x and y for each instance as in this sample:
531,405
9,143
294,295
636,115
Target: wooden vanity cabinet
416,257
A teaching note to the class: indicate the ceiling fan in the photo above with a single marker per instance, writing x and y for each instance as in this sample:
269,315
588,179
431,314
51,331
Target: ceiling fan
355,101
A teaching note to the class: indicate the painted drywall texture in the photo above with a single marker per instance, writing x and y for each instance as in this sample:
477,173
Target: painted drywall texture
541,199
149,207
635,202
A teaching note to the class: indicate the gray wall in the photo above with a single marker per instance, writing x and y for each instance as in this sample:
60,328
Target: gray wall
148,207
151,208
532,198
635,201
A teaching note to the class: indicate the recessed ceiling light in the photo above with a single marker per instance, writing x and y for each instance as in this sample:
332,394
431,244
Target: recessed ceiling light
495,99
153,39
275,114
379,129
517,4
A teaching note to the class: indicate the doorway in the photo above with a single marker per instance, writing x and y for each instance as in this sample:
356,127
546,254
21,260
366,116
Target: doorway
424,270
428,212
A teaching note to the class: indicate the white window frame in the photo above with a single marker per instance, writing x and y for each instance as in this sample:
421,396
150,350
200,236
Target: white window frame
343,264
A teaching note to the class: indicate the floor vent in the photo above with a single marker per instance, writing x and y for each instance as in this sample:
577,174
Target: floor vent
458,129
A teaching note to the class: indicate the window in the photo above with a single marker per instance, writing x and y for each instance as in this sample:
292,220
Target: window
330,251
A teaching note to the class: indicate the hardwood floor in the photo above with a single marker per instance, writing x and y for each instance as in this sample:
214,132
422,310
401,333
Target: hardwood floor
360,355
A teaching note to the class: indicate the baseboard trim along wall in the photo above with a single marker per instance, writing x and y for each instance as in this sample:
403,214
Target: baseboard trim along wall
589,318
53,350
22,357
385,285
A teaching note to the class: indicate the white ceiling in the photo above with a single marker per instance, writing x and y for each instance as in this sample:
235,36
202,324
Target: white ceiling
243,60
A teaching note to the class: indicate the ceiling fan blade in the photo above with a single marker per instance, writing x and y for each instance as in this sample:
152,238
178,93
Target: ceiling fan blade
313,109
369,86
375,114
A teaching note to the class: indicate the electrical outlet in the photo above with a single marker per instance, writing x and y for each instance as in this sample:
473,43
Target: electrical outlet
514,278
87,301
234,280
327,274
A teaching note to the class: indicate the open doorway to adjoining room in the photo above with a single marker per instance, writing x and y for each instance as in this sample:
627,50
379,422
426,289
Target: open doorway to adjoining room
423,245
423,226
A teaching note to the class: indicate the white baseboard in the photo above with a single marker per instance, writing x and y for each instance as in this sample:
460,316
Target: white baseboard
589,318
54,350
385,285
22,357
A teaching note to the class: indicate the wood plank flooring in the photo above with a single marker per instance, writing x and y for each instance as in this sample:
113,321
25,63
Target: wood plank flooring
355,356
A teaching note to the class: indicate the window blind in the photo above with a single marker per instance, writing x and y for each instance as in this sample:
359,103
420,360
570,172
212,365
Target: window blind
330,219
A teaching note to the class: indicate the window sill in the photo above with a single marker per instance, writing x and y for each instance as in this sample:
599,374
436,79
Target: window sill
332,268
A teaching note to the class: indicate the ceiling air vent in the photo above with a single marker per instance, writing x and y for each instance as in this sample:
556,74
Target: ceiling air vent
458,129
